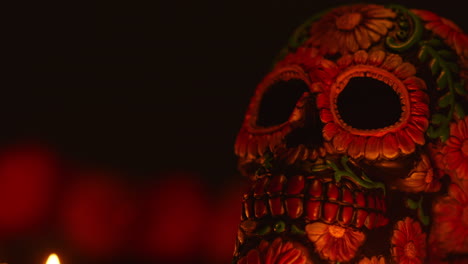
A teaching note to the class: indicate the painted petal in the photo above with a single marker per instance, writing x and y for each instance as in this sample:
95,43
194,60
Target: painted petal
405,70
421,122
453,160
373,148
454,130
263,247
381,13
350,42
362,38
342,45
361,57
462,128
322,245
357,147
415,134
288,257
415,183
345,61
373,35
341,141
420,109
451,24
326,116
415,83
316,230
405,143
316,87
432,24
301,260
419,96
273,251
375,27
390,148
426,15
275,139
391,62
379,26
262,144
323,101
462,170
376,57
330,130
462,41
440,29
456,192
454,143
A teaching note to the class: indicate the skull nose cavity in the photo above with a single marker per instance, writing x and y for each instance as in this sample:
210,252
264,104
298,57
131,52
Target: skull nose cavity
310,134
279,101
367,103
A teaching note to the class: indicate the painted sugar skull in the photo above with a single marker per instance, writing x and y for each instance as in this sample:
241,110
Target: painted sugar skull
356,143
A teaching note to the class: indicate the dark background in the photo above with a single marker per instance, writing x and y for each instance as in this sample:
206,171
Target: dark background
146,88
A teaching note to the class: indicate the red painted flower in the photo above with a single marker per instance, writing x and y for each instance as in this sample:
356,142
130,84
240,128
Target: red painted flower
408,242
449,232
333,242
456,150
350,28
397,137
373,260
447,30
278,252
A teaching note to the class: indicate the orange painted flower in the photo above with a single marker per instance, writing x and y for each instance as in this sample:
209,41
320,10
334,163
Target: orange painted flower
373,260
374,107
278,252
408,242
449,232
423,178
456,150
333,242
350,28
446,29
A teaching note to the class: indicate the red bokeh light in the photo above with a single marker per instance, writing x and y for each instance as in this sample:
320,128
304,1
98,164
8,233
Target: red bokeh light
97,214
28,174
174,218
223,221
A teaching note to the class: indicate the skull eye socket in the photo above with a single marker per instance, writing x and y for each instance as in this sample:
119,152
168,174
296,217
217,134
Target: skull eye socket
367,103
279,101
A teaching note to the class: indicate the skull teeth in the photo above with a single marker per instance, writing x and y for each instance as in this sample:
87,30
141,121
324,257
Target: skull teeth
314,200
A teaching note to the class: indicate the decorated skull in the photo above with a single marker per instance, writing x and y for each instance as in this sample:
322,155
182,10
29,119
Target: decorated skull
356,143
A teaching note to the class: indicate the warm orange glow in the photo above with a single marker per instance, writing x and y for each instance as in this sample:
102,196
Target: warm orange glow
53,259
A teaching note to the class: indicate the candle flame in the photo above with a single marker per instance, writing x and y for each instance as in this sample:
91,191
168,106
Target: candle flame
53,259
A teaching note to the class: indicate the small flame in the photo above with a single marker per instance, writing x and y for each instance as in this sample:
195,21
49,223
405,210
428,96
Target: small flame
53,259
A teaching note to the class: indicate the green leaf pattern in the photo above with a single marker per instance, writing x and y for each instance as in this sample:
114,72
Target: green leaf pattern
445,70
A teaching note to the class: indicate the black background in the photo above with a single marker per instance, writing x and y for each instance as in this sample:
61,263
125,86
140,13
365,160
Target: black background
145,87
